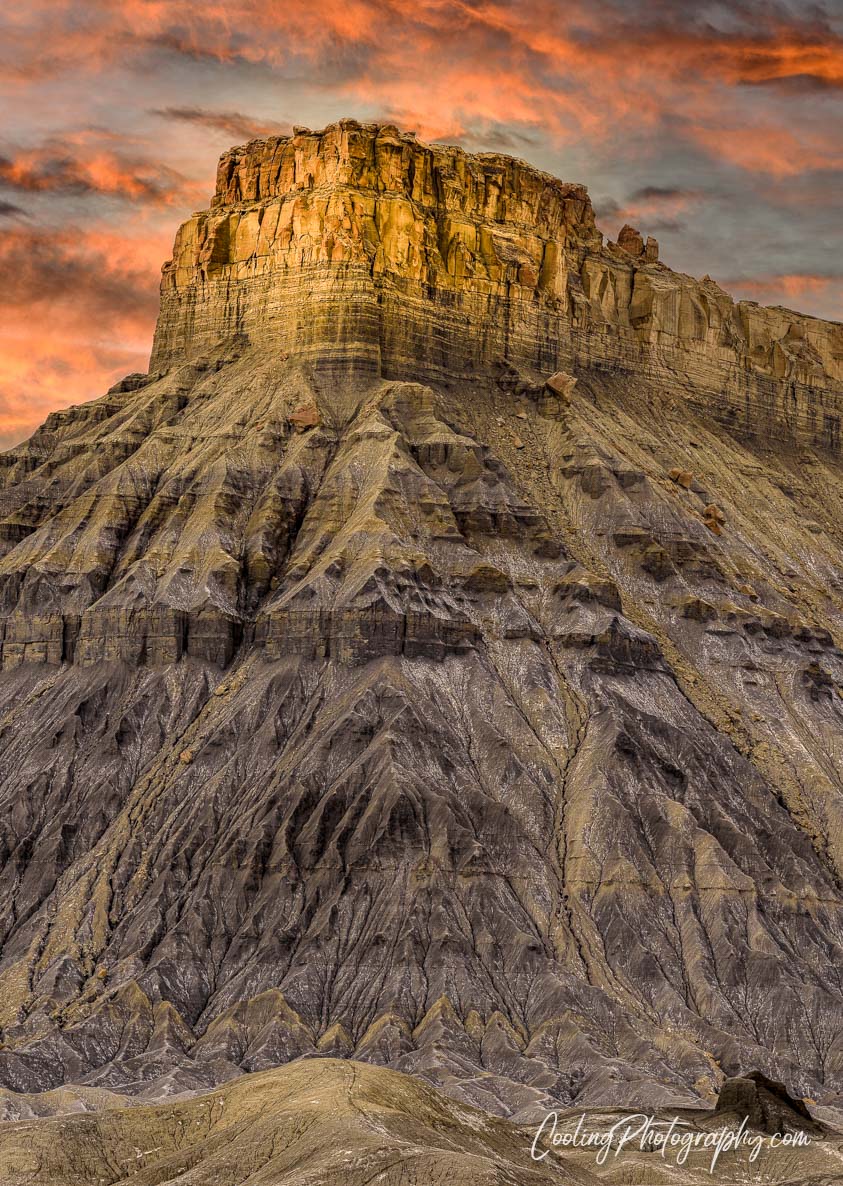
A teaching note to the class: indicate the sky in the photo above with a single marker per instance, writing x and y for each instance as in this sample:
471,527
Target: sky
716,127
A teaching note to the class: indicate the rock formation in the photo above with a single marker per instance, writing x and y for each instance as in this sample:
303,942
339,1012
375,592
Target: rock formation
434,660
765,1104
325,1124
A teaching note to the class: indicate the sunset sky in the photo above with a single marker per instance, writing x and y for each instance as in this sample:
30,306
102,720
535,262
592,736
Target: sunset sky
716,127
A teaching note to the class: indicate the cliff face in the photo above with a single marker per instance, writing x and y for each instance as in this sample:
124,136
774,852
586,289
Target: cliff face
434,659
359,245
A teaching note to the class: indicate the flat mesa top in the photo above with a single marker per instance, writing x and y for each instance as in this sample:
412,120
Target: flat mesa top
381,158
484,242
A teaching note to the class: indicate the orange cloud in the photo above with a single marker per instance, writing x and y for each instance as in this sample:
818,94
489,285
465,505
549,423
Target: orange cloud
77,310
89,161
810,293
588,69
785,60
772,149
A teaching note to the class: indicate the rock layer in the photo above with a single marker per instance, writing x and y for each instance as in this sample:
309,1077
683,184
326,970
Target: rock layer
360,245
434,659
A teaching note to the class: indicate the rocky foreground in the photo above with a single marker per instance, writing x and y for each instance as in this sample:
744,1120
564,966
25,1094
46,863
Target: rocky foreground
434,661
324,1123
344,1123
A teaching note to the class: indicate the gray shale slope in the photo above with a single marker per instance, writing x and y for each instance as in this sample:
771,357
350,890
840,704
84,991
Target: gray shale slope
433,661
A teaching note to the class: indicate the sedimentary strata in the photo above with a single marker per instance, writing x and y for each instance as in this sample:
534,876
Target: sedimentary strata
434,660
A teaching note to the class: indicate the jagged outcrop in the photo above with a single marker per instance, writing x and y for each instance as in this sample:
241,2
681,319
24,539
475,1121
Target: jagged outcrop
766,1105
435,659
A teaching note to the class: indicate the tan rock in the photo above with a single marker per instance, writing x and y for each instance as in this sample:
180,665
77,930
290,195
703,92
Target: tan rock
682,477
561,384
378,213
321,1120
631,241
486,578
305,416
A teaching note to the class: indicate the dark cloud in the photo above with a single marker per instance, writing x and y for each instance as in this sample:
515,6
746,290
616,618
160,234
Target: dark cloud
44,267
497,139
10,210
660,225
726,17
232,123
797,84
659,193
90,162
607,209
650,208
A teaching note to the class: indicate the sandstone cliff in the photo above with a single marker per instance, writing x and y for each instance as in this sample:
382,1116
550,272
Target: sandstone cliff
435,659
361,245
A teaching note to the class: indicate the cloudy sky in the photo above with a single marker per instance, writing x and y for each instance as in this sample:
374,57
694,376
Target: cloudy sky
717,127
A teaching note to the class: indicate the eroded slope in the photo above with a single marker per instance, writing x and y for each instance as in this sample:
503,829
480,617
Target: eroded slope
487,728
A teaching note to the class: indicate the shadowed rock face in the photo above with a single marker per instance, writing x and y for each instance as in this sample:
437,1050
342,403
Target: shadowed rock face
765,1104
432,661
